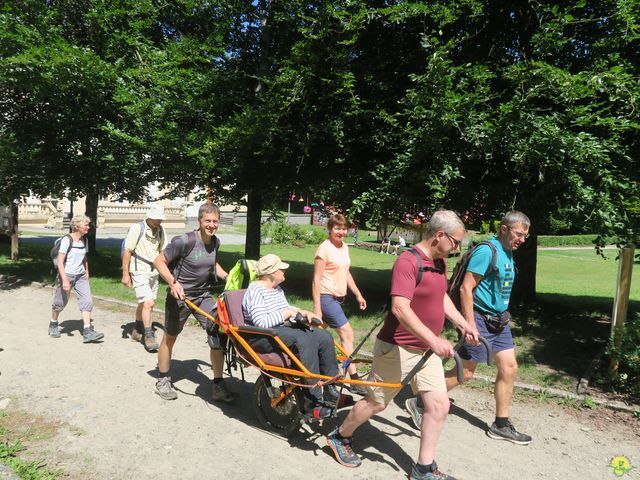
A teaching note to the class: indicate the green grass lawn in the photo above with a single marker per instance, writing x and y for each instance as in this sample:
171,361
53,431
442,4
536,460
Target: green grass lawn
556,339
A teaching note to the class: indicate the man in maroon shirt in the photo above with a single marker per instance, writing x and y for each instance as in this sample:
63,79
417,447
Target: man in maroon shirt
413,325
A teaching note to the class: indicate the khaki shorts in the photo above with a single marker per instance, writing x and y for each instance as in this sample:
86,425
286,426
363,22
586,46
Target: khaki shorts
145,286
391,363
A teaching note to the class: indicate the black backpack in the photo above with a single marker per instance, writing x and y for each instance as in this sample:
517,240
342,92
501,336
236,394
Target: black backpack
55,249
460,270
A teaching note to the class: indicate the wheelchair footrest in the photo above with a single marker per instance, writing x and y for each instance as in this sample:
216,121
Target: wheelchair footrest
317,414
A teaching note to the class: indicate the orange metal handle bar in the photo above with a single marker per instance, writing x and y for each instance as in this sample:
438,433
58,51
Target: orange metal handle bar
223,321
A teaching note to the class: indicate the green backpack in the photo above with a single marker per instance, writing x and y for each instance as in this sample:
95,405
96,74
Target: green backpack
241,275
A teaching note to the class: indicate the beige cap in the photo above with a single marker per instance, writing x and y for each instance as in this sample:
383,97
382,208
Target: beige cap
156,212
269,264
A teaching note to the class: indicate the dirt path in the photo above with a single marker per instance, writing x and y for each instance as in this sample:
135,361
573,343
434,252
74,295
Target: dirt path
112,425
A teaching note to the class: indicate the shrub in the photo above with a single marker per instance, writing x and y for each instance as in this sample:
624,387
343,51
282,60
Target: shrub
281,233
586,240
489,226
566,240
628,356
316,236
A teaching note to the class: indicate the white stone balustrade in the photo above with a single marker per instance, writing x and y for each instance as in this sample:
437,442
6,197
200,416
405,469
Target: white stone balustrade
44,214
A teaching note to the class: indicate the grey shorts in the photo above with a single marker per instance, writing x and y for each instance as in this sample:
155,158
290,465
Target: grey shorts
176,313
80,284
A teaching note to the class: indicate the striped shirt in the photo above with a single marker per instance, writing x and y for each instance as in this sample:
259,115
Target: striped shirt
263,306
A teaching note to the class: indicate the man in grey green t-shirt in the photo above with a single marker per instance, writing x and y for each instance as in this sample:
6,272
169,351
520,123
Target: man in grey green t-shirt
188,265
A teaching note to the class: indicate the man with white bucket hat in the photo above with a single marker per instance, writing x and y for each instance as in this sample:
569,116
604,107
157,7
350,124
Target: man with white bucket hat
144,241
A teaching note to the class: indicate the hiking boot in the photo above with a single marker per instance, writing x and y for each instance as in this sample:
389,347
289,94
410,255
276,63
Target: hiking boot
342,450
54,330
150,342
220,393
411,404
508,433
434,474
165,389
90,335
136,336
330,395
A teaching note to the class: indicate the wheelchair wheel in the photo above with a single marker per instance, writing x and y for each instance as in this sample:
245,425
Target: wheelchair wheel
284,418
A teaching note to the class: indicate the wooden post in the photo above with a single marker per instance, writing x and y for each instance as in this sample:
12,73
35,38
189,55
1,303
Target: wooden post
621,300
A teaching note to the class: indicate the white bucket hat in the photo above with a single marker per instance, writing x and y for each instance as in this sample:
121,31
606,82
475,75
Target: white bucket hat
156,212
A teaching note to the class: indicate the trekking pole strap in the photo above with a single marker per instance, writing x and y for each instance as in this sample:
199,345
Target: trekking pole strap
417,367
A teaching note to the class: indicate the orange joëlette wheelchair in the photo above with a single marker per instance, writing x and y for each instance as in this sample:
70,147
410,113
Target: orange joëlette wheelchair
277,395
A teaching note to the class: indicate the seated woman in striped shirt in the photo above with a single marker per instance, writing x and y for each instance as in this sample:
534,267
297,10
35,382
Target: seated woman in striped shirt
264,305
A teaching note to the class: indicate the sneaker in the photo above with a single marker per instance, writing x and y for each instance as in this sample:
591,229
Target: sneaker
411,404
342,450
508,433
434,474
165,389
220,393
90,335
136,336
54,330
150,342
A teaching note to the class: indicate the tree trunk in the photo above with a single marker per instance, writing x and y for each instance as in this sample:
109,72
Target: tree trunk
254,200
91,211
254,216
13,231
70,212
526,257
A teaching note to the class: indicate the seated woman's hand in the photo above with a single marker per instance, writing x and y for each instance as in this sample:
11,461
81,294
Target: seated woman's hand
311,318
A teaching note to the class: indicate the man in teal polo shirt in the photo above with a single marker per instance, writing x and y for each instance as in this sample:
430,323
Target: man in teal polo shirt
484,297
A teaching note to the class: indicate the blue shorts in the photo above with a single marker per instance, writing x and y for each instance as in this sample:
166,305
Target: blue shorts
498,341
332,313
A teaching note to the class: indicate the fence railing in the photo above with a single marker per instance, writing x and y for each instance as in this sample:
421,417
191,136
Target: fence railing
46,214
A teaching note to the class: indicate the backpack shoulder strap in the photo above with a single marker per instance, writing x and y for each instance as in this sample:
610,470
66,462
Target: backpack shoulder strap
188,248
191,243
494,256
70,243
439,264
245,272
420,266
163,235
142,227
